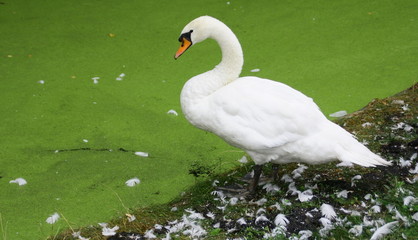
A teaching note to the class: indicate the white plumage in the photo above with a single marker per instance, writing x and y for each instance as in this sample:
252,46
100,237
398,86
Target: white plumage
269,120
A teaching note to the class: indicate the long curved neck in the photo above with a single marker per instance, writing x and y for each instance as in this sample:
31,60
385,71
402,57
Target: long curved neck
229,69
232,56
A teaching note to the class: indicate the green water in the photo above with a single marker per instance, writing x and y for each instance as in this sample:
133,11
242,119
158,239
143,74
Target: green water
341,53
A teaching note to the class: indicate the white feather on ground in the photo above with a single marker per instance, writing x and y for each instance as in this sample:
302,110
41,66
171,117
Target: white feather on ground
328,211
383,230
281,220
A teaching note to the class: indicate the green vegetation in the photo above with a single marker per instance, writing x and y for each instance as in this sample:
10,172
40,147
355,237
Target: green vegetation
341,53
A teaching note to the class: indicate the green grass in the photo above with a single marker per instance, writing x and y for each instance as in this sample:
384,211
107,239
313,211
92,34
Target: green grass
341,53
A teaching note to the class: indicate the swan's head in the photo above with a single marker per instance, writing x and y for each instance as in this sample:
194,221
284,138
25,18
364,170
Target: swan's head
196,31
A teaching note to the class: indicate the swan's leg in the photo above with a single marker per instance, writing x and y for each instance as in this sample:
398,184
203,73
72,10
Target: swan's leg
257,173
275,171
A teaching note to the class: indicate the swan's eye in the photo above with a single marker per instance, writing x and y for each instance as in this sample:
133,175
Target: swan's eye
186,35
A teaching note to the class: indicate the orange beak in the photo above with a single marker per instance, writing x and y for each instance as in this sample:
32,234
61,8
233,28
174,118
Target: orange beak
185,44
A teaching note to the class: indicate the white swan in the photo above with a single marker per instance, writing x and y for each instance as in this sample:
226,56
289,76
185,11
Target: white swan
269,120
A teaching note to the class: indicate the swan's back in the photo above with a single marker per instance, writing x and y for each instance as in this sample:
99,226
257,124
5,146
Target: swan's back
255,113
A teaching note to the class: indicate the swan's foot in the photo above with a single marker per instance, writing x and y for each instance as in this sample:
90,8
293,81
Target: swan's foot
234,190
257,172
275,172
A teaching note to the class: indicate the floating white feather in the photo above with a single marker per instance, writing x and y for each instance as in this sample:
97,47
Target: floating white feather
132,182
53,218
142,154
172,112
19,181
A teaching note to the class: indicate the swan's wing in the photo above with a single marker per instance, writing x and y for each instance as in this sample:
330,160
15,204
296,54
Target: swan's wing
255,113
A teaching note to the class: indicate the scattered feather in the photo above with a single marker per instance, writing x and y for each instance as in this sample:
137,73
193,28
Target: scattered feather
172,112
357,177
130,217
328,211
383,230
19,181
415,216
109,231
286,178
398,216
233,201
343,194
276,206
261,202
408,200
305,196
261,218
414,171
78,236
292,189
141,154
210,215
286,202
325,221
305,234
150,234
399,102
215,183
271,188
281,220
95,80
338,114
345,210
243,160
414,180
260,211
355,213
121,76
41,81
53,218
366,124
356,230
255,70
132,182
241,221
297,173
217,193
376,209
367,222
194,215
102,225
390,207
404,163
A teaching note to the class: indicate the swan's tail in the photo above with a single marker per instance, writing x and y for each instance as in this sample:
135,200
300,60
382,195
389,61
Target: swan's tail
350,150
362,156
